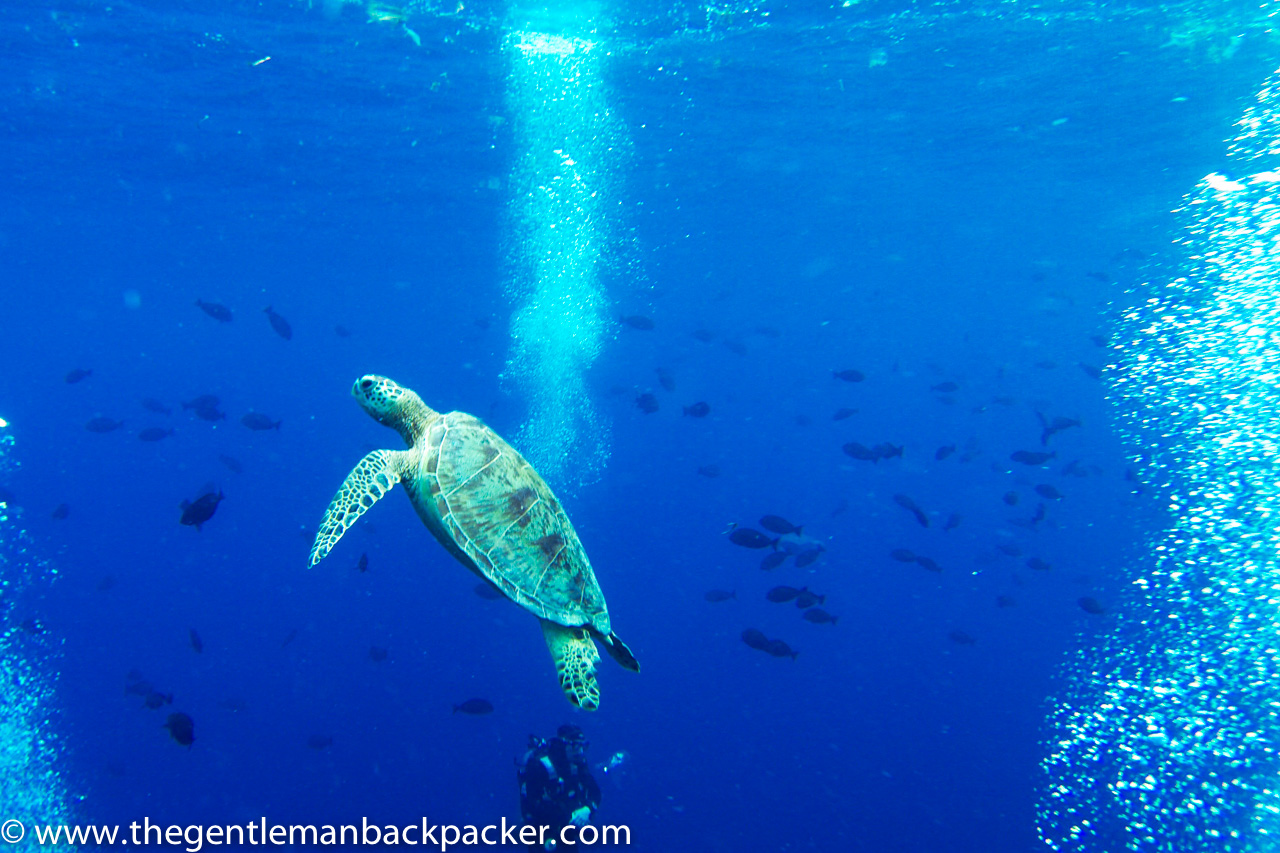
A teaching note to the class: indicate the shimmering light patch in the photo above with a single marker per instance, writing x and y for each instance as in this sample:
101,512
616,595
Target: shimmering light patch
564,236
1167,737
31,786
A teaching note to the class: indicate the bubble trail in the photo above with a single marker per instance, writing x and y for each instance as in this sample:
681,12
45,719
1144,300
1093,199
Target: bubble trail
1165,737
563,237
32,789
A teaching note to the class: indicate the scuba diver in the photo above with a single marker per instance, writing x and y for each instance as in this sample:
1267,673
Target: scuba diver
556,785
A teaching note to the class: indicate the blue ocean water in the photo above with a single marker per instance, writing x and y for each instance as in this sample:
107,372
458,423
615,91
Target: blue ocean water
926,193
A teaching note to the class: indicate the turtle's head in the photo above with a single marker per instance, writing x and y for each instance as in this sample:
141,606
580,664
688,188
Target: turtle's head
393,405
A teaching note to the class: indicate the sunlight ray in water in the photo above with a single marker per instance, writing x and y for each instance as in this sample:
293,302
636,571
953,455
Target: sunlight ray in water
33,789
1166,737
569,149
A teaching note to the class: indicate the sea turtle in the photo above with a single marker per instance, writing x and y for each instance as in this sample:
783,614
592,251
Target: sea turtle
489,509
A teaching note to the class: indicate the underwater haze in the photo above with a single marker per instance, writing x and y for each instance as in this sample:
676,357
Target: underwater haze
978,294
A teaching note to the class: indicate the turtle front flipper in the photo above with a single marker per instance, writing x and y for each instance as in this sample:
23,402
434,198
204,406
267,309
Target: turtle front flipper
367,482
575,655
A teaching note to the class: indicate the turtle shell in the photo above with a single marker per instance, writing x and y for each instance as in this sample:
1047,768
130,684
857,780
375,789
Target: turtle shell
503,516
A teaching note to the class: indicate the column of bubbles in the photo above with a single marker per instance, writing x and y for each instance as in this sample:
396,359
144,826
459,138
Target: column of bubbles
31,785
562,234
1166,737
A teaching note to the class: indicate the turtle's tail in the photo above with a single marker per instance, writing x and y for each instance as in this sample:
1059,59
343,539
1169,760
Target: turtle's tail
618,651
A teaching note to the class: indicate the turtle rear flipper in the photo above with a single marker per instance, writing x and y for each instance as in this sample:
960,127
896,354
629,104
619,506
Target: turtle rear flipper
618,651
575,655
372,478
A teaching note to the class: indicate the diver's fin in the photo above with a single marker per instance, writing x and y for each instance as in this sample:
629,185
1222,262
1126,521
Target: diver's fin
575,655
367,482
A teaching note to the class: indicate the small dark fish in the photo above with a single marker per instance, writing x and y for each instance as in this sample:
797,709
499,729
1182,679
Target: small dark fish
1098,340
805,558
1091,371
636,321
803,420
155,433
1038,516
232,464
842,414
197,644
711,471
60,512
362,565
961,637
474,706
902,555
944,451
945,387
748,538
259,422
1099,276
320,741
952,522
1091,605
1009,549
849,375
102,425
197,513
928,564
885,450
808,599
860,452
647,403
1032,457
779,649
181,728
342,331
153,405
715,596
697,410
77,375
1046,364
107,584
1010,498
280,324
488,591
772,561
1006,601
818,616
781,594
290,637
736,347
778,524
1055,426
221,313
1049,492
665,379
755,639
377,654
705,336
1038,564
32,625
911,507
206,408
155,700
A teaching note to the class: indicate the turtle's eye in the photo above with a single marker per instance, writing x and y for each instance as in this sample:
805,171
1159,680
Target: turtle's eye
366,384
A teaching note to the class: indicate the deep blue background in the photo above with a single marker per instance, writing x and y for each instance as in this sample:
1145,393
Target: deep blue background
930,219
